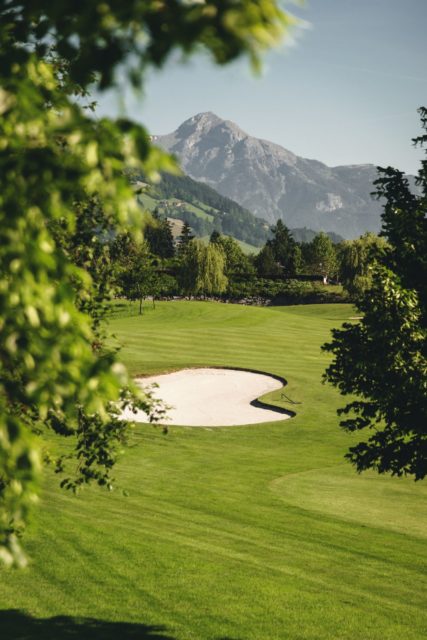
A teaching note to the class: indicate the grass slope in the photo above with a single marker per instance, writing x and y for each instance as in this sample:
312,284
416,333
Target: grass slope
150,202
247,249
259,532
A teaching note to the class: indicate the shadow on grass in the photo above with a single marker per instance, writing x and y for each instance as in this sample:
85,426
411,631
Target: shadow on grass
16,625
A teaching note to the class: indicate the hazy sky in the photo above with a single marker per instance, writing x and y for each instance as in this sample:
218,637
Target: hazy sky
346,91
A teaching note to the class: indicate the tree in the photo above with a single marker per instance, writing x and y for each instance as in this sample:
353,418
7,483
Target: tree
162,284
53,156
137,272
215,236
136,277
266,264
320,256
202,269
298,261
211,277
284,249
236,262
160,239
383,358
189,267
356,259
185,237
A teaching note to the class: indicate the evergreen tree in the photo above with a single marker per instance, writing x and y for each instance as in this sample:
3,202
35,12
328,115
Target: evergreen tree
185,237
160,239
266,264
283,247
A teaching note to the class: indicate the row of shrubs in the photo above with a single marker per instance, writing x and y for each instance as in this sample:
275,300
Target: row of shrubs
264,291
282,292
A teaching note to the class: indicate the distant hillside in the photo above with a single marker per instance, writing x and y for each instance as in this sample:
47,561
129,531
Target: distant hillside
307,235
205,210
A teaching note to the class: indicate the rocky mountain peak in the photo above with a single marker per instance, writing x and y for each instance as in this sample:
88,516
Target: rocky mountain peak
200,122
209,124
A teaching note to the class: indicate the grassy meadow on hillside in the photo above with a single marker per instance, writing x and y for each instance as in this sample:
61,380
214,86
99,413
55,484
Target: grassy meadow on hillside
236,533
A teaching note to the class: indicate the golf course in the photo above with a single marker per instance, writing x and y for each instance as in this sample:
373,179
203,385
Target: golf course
258,532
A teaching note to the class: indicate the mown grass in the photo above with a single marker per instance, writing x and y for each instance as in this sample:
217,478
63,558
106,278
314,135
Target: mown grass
259,532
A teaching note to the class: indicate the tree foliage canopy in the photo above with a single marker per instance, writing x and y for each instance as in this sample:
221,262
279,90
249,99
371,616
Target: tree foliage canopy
236,262
383,358
320,256
356,259
284,249
53,159
160,239
202,268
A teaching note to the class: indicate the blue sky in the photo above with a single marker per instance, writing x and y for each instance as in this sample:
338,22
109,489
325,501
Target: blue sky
346,91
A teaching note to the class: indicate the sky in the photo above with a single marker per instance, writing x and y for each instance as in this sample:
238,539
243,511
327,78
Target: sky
344,90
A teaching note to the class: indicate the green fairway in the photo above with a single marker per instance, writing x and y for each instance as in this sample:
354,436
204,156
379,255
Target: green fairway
261,532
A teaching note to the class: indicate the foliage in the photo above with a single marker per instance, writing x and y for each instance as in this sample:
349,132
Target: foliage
266,264
135,273
304,235
284,249
320,256
236,262
405,224
93,246
160,239
201,226
189,266
202,269
139,274
257,288
356,259
297,259
88,246
52,156
383,359
282,292
185,237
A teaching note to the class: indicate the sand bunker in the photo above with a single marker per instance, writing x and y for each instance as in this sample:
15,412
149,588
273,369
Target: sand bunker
212,397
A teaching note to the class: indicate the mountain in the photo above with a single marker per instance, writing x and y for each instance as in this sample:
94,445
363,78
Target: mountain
205,210
272,182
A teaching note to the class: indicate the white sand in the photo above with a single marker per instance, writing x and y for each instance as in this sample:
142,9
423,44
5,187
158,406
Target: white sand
211,397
